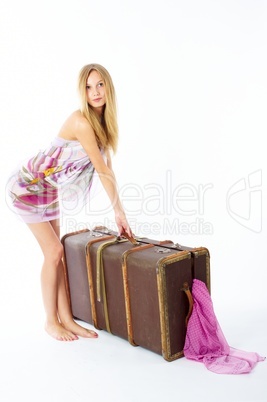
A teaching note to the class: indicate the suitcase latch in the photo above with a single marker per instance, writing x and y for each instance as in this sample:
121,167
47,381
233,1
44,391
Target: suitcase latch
162,250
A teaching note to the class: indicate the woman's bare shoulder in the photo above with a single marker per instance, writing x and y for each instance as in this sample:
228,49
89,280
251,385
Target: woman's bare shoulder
74,122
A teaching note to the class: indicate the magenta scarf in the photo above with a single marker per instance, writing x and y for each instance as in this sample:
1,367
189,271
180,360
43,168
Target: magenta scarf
206,343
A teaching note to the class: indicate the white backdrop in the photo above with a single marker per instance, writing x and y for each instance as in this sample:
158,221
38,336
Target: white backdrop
191,86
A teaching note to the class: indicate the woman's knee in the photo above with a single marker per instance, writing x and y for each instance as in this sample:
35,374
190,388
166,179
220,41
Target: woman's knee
55,253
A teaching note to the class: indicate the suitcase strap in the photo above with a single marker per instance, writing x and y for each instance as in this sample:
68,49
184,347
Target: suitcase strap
100,277
126,289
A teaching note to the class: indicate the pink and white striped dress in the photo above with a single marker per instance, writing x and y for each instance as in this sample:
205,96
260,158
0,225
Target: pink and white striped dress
62,171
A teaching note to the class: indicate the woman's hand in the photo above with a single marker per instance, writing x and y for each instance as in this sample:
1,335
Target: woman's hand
122,224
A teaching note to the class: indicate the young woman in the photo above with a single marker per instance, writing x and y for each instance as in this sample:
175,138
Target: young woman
81,148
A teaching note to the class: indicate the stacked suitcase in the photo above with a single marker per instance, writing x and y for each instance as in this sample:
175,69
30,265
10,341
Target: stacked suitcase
137,289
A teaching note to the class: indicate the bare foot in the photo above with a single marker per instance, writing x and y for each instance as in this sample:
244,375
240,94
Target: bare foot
57,331
79,330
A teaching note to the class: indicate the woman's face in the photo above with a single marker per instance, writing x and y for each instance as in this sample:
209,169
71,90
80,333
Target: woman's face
95,89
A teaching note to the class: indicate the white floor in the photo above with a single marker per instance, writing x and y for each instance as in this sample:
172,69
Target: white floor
35,367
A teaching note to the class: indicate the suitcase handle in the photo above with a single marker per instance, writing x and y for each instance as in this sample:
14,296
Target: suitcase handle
186,289
130,238
104,229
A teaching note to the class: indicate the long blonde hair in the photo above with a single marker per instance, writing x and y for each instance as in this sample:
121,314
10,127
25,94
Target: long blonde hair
106,131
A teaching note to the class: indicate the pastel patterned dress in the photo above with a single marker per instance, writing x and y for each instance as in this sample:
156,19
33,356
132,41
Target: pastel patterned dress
63,171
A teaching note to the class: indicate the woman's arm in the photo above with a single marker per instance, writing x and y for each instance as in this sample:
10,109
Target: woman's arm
86,136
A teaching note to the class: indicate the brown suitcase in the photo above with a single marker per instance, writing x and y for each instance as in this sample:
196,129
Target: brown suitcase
139,292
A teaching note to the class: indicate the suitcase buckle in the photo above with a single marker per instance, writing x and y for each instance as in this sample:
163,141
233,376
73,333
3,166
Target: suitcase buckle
162,250
97,234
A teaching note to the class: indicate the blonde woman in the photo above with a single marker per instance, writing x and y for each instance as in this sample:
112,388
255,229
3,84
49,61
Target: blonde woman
81,148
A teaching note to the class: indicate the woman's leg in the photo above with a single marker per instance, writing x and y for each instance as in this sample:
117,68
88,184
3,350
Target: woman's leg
64,311
52,251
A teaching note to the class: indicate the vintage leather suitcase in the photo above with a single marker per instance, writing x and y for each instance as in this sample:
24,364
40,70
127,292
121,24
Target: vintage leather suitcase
138,290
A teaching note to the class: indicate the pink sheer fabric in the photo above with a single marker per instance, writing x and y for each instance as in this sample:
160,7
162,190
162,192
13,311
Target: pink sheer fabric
205,341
